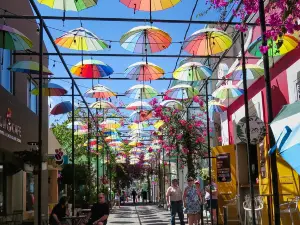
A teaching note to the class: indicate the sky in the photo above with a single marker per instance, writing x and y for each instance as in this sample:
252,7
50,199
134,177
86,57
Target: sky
113,31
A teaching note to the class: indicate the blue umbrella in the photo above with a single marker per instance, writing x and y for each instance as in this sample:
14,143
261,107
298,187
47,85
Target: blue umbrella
62,108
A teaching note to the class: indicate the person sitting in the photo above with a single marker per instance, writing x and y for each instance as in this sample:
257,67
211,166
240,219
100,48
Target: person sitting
99,212
59,212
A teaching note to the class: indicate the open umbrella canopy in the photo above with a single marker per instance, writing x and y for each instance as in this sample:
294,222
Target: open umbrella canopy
81,39
174,104
13,39
77,125
139,105
61,108
144,71
281,46
69,5
138,126
141,91
215,106
252,72
102,105
99,91
182,91
50,89
110,125
29,67
116,144
91,68
112,138
228,91
208,41
192,71
144,5
140,115
145,39
158,124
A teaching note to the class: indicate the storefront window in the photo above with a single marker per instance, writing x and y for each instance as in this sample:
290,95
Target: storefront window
29,191
2,190
6,77
31,99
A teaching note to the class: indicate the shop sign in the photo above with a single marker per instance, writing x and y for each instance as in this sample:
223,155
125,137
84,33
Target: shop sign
8,128
223,167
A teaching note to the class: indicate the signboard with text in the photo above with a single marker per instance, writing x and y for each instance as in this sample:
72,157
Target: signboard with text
8,128
223,167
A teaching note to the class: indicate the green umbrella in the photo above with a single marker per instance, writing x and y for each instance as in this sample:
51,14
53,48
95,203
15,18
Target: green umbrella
69,5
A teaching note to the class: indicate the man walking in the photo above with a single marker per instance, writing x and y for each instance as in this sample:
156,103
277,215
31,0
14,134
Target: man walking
133,193
174,201
99,212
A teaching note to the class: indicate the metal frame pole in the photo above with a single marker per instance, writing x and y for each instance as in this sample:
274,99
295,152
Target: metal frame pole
97,149
89,157
73,151
250,173
40,127
274,169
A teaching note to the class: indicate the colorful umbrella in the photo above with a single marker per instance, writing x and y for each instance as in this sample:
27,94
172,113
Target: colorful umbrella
145,39
144,5
81,132
110,125
182,91
29,67
228,91
50,89
281,46
158,124
139,105
99,91
81,39
141,91
92,141
138,126
137,133
192,71
252,72
110,132
215,106
13,39
77,125
207,41
113,138
135,144
140,115
116,144
69,5
61,108
143,71
102,105
91,68
174,104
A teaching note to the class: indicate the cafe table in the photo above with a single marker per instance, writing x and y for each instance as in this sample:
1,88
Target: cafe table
75,220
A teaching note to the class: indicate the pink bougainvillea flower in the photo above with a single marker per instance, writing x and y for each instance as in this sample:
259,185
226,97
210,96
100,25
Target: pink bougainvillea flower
263,49
220,139
185,150
179,136
183,122
166,98
153,101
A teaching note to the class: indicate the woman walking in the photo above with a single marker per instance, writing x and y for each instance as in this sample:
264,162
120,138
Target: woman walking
117,199
191,199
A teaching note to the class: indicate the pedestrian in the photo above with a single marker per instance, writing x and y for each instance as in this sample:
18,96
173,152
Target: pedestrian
197,183
133,193
59,212
191,199
122,198
139,196
117,199
213,200
174,202
144,196
99,212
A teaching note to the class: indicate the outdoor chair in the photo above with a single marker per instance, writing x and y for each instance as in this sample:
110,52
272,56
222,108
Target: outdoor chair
258,206
291,207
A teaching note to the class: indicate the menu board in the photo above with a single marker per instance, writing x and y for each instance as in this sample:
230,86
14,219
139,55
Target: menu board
223,167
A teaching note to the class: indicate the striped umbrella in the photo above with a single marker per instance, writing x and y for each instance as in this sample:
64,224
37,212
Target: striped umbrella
29,67
182,91
207,41
144,5
69,5
50,89
102,105
138,126
141,115
81,39
145,39
252,72
228,91
158,124
141,91
116,144
192,71
281,46
139,105
113,138
110,125
93,142
77,125
91,68
13,39
174,104
143,71
61,108
215,106
99,91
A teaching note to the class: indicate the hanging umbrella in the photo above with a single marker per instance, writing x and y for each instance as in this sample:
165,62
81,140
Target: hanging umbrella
102,105
91,68
143,71
252,72
69,5
115,144
192,71
50,89
140,115
140,91
81,39
135,144
208,41
62,108
145,39
144,5
215,106
228,91
29,67
182,91
281,46
110,132
99,91
174,104
13,39
77,125
190,59
113,138
158,124
138,126
137,133
92,141
110,125
138,105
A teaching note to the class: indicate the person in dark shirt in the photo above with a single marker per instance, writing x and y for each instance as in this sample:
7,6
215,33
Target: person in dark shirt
59,212
133,195
144,196
99,212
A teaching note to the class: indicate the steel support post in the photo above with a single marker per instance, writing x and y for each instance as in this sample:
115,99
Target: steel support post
89,157
73,151
97,149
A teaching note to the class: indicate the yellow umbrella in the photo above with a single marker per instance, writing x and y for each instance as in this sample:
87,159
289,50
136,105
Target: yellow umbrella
158,124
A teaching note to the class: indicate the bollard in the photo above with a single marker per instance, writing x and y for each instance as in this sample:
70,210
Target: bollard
225,214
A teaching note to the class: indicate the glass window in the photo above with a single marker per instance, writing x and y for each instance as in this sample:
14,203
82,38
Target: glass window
29,191
2,190
6,77
31,99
